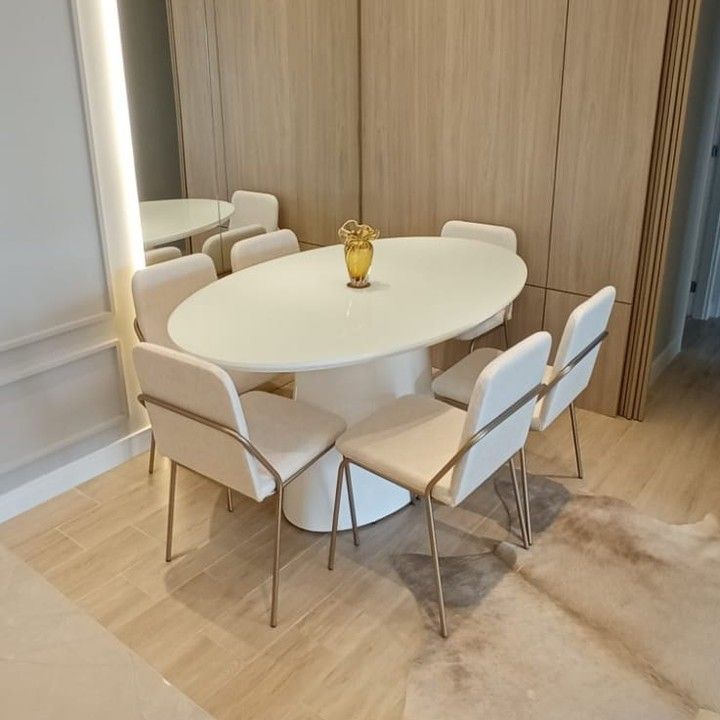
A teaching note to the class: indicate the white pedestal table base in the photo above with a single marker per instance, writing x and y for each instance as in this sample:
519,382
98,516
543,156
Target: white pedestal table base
353,392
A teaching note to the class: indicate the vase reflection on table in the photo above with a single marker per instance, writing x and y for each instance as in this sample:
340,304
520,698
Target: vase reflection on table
357,239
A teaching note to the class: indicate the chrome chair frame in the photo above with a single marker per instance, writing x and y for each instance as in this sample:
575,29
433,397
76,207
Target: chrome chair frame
548,386
344,470
151,461
566,370
280,485
506,335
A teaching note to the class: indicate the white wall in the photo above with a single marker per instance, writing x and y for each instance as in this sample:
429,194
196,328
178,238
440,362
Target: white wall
706,301
691,193
66,384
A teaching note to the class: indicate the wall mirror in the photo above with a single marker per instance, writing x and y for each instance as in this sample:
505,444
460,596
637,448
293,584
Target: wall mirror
183,206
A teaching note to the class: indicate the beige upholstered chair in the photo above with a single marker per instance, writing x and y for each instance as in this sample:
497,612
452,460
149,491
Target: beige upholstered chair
254,208
161,254
503,237
255,213
444,453
566,378
262,248
158,290
255,444
219,246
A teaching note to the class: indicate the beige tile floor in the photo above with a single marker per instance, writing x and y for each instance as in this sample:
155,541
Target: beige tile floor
346,639
56,662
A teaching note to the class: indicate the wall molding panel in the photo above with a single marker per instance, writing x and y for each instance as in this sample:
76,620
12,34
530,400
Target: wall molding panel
67,390
57,361
61,329
54,482
58,403
52,225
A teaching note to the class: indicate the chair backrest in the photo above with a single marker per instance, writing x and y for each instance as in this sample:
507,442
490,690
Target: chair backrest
254,208
586,323
204,390
159,289
513,377
496,234
218,246
261,248
161,254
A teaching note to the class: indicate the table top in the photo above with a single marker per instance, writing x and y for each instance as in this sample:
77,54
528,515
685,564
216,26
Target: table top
296,313
167,220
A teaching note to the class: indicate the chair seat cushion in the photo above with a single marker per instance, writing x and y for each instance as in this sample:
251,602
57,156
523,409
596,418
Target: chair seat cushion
457,382
485,326
289,433
408,440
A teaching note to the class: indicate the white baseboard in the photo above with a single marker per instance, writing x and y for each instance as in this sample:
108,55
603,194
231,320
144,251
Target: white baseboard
664,358
47,486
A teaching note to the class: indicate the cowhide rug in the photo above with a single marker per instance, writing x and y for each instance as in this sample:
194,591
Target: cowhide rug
612,615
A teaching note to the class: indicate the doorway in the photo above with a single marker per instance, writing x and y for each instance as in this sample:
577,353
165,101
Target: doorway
690,293
677,253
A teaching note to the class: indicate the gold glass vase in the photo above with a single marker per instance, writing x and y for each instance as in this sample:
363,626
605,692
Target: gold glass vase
357,239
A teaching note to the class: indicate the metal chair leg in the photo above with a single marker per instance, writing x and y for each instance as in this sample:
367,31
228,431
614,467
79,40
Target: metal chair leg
336,514
151,463
506,334
351,500
519,504
526,496
171,512
436,563
576,440
276,560
229,500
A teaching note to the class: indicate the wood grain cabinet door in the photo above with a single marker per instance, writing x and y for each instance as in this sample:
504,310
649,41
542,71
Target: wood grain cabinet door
289,85
612,73
460,106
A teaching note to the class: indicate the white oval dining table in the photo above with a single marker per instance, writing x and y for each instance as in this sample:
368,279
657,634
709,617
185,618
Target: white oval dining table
352,350
168,220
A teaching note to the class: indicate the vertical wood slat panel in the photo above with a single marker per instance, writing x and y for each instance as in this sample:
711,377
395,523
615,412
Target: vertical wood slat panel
460,108
662,142
289,81
658,162
610,88
666,144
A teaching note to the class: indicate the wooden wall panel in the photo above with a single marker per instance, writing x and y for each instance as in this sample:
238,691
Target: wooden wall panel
527,319
289,84
603,393
537,115
196,85
460,104
612,69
